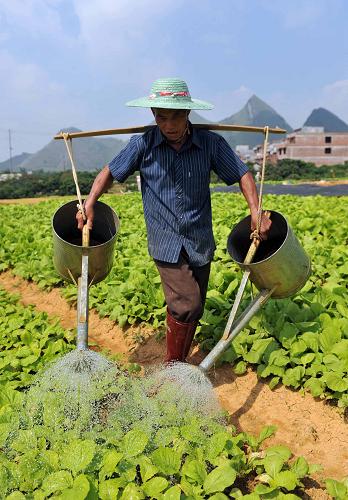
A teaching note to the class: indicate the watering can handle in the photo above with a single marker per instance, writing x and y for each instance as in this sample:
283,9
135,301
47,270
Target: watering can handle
85,236
255,244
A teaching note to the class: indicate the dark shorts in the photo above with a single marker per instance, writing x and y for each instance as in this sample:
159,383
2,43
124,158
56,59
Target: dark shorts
185,288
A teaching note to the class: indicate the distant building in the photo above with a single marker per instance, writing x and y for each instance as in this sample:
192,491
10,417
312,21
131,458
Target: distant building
271,155
310,144
9,176
245,153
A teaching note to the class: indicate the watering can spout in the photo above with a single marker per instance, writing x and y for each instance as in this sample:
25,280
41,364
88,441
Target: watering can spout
237,327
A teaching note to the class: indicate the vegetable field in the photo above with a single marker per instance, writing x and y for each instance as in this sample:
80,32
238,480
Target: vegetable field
300,343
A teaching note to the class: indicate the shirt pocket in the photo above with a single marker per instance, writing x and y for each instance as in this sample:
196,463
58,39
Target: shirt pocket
196,179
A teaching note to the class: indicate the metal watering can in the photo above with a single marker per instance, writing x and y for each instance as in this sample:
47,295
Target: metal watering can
67,242
280,269
84,258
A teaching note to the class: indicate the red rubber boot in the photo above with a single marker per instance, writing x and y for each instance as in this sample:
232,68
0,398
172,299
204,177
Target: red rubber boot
179,339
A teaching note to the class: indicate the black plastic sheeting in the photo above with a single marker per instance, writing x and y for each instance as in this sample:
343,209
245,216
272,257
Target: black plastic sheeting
294,189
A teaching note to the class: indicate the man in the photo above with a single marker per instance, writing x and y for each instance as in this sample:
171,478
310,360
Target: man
175,161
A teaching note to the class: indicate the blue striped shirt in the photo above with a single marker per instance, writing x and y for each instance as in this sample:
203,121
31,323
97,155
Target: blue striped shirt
175,189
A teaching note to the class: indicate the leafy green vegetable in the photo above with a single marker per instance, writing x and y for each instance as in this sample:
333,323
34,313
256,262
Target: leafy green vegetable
219,478
287,335
301,342
167,460
77,455
134,443
337,489
57,482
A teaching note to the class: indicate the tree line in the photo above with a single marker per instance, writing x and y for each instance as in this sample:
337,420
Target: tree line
42,183
298,169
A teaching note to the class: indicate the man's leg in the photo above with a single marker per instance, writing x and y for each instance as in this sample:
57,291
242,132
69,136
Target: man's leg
185,289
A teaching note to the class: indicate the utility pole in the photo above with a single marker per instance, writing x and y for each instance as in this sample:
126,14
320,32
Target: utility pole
10,148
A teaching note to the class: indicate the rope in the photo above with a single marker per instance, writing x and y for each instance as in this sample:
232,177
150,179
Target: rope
68,143
256,232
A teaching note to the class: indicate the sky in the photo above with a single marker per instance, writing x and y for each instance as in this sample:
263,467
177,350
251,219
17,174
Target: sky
76,62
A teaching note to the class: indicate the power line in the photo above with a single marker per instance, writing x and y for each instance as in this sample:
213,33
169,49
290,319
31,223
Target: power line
10,148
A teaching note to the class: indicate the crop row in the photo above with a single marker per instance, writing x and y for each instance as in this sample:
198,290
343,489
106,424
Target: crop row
301,342
177,455
28,341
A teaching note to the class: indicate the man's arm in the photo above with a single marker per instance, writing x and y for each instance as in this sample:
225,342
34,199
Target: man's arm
248,187
101,183
230,168
125,163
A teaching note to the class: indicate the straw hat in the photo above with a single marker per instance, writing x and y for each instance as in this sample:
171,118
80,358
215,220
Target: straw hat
171,93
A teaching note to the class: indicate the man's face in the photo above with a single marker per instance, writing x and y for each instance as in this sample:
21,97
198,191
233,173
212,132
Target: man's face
171,122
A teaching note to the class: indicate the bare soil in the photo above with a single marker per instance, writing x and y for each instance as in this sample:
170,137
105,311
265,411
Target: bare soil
327,183
33,201
309,427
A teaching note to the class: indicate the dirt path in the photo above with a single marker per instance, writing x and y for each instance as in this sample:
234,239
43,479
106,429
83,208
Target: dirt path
310,428
327,183
102,332
33,201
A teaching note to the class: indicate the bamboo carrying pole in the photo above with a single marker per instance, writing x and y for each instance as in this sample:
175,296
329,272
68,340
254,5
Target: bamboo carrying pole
144,128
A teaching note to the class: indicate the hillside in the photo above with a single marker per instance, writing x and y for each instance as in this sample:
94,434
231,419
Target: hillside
197,118
15,163
93,153
89,153
255,113
321,117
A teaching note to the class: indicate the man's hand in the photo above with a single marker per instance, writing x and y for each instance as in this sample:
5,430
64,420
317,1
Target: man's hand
101,183
249,190
89,211
265,225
